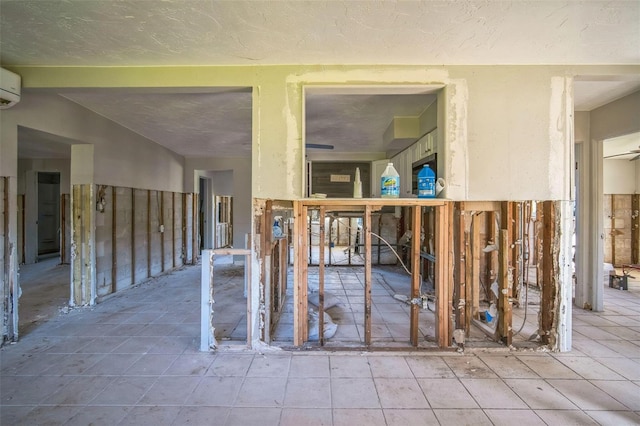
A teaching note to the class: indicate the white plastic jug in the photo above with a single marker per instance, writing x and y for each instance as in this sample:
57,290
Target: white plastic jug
390,182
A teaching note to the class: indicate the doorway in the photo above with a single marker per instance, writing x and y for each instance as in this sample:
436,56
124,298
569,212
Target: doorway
48,214
224,221
45,283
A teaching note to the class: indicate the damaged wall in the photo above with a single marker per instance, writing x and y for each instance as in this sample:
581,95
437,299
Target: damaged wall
130,246
618,222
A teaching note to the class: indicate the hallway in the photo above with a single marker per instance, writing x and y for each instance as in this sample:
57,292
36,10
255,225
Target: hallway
134,359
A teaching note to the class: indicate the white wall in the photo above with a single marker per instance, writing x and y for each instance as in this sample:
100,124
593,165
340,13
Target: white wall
518,133
239,169
619,177
121,157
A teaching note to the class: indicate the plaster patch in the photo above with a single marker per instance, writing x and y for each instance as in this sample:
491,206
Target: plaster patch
380,76
456,143
294,139
559,138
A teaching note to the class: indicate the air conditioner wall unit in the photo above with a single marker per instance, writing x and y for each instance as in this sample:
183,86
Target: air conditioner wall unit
9,88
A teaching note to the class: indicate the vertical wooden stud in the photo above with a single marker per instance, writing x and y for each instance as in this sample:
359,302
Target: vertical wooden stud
265,272
443,277
321,278
416,227
114,240
161,223
547,282
635,229
613,229
173,229
469,286
490,229
148,233
300,279
367,275
459,270
504,300
133,236
475,264
304,312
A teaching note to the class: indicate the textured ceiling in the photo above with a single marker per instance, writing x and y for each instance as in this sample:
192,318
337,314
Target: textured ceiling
216,123
211,32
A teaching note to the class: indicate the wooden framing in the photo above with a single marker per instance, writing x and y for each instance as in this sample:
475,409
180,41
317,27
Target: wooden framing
416,227
460,270
444,273
505,330
547,281
635,229
161,223
475,266
458,248
506,269
366,228
321,278
133,236
367,207
114,240
173,229
83,255
149,234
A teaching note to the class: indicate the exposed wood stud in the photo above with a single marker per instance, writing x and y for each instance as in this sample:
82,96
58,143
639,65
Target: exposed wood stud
504,300
469,290
161,223
173,229
459,270
489,272
416,227
547,305
265,272
516,242
613,228
635,229
367,275
148,233
443,277
321,278
133,236
304,290
114,240
300,265
475,264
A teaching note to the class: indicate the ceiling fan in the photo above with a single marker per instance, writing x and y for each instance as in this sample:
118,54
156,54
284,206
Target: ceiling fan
632,151
318,146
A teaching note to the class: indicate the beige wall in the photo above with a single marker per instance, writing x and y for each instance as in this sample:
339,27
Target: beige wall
505,135
619,177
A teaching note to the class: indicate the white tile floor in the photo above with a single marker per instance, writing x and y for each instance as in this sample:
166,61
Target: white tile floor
134,360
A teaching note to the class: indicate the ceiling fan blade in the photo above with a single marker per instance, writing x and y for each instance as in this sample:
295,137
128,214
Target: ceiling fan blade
617,155
318,146
635,158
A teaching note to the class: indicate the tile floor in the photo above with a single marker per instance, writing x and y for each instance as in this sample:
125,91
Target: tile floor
134,360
